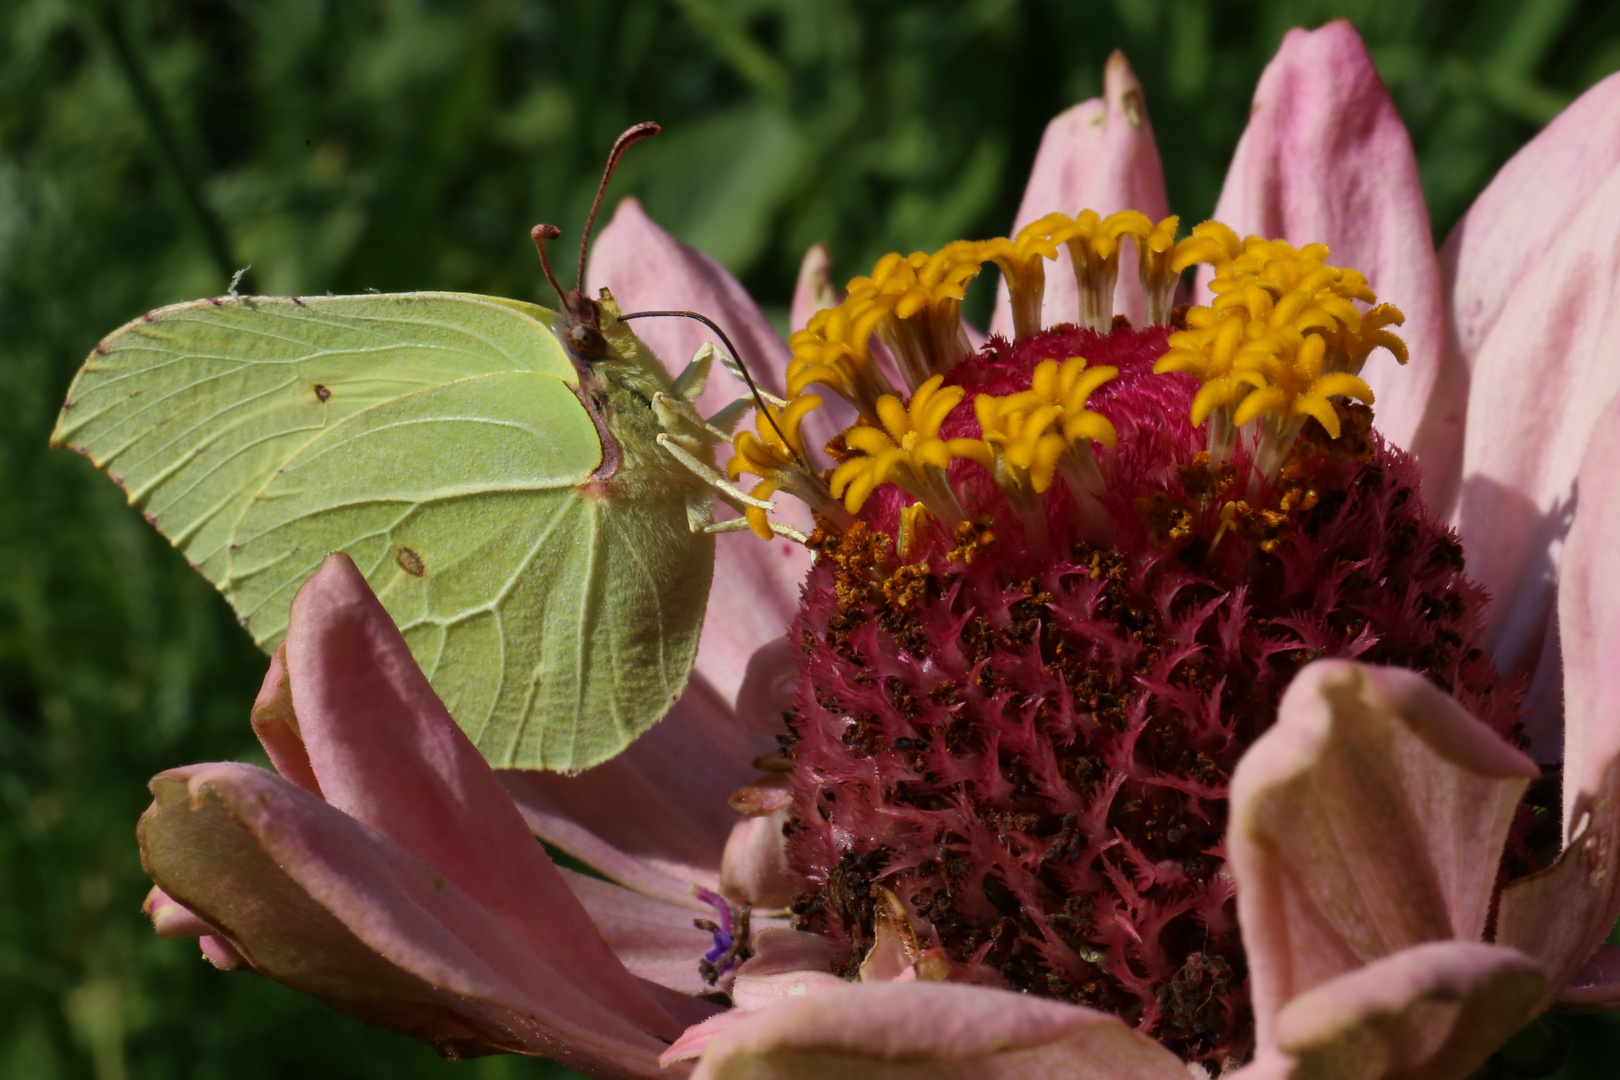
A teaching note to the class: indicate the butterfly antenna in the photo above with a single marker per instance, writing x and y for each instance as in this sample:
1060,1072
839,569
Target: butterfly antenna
540,234
623,143
736,358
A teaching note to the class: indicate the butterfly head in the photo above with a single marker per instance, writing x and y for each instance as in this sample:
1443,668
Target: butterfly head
584,337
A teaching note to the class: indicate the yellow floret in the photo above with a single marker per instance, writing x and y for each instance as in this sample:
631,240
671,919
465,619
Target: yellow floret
905,447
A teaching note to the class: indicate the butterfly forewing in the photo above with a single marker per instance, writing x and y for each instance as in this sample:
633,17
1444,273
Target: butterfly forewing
436,439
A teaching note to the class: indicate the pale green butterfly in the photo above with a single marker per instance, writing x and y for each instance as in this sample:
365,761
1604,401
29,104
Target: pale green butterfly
527,491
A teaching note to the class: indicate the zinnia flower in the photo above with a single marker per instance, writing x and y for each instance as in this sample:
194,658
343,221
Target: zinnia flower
1139,708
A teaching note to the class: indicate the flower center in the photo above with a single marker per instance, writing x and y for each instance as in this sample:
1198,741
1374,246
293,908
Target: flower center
1061,587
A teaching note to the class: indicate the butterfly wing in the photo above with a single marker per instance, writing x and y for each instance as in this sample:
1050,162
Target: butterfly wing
436,438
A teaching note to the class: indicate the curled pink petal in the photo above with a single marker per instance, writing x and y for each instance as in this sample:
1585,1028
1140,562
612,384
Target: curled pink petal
276,725
893,1030
221,953
754,867
1357,824
386,752
767,688
654,818
1542,378
1561,914
1597,984
1326,159
647,269
1435,1011
1098,155
314,899
172,919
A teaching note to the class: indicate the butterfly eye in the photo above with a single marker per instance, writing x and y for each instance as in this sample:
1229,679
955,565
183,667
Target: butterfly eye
586,341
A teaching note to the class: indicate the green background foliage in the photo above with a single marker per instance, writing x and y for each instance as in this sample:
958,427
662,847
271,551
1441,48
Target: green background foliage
150,147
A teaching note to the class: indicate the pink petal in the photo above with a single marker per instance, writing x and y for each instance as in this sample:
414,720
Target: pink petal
1370,818
1561,914
1541,380
695,1039
316,900
654,818
647,269
1098,155
1597,984
386,752
221,953
1503,237
754,868
778,951
913,1029
1326,158
276,725
1530,200
814,290
767,688
1434,1011
172,919
753,599
653,938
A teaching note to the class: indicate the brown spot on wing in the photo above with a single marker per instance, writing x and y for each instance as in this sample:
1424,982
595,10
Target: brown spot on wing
410,562
322,392
299,302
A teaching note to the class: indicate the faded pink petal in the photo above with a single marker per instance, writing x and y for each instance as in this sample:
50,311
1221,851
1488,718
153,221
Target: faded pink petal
1098,155
386,752
221,953
318,901
647,269
1561,914
172,919
654,939
893,1030
1503,237
1434,1011
814,290
276,725
1326,158
767,688
1358,824
1541,379
754,867
1597,984
654,818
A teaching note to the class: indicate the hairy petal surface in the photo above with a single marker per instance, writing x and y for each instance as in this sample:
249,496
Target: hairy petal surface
1431,1012
1561,914
1358,824
894,1030
1098,155
1326,158
316,900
